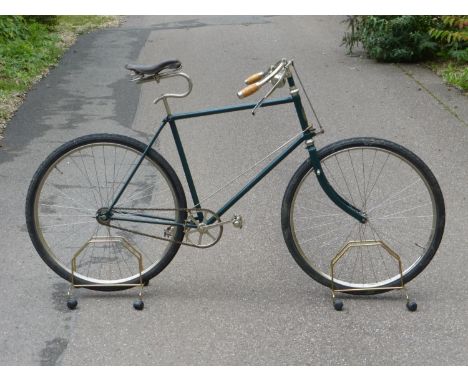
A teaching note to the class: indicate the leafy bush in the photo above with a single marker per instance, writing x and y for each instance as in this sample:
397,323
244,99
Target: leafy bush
12,27
392,38
353,37
451,30
452,35
442,39
43,19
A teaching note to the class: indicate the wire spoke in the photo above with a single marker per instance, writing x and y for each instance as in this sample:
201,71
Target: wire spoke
66,207
397,193
398,201
68,224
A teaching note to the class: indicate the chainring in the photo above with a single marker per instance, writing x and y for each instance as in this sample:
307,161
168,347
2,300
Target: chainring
203,232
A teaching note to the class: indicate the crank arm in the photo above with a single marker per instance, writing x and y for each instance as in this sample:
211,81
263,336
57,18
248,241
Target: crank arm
214,225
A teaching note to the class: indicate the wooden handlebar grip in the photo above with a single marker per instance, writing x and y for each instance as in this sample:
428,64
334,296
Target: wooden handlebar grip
248,90
254,78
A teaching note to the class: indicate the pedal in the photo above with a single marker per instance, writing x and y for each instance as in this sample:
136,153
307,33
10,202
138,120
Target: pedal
169,232
237,221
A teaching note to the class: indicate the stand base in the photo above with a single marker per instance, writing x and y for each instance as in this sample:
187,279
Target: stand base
72,303
338,304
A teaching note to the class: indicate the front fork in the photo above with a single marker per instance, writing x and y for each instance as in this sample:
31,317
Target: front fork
315,160
327,187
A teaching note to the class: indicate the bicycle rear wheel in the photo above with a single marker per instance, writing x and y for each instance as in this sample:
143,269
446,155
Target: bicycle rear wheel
401,197
82,177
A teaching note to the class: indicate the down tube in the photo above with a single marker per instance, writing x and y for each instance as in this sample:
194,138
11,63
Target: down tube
258,177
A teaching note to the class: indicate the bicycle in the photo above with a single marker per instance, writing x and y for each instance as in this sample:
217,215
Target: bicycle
102,198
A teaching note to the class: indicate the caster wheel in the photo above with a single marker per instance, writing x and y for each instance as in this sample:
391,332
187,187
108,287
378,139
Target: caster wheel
412,306
139,305
72,303
338,305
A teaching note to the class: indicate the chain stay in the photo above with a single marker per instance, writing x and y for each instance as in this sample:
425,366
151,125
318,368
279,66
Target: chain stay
190,219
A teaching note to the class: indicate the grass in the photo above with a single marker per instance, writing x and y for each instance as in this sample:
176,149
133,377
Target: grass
456,75
452,72
69,27
27,56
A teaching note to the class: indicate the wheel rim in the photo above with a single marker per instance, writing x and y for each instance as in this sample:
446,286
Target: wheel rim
81,182
402,214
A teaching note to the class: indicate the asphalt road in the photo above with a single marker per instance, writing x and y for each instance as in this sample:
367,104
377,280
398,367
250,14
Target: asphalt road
244,301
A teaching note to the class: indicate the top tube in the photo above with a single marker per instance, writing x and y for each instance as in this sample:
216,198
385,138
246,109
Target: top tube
227,109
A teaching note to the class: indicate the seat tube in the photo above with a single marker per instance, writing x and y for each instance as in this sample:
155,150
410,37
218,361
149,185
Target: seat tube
185,166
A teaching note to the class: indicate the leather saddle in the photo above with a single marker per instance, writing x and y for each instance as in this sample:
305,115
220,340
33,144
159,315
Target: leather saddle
154,69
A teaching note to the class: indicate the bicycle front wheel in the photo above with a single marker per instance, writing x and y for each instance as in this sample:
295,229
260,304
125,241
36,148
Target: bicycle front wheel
81,178
399,194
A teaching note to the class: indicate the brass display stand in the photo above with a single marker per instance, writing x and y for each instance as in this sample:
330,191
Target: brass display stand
72,302
338,304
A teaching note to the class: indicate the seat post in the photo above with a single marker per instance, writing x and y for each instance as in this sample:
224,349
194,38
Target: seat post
166,106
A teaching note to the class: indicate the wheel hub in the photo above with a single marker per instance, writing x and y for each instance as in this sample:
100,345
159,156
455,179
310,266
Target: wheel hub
103,215
365,219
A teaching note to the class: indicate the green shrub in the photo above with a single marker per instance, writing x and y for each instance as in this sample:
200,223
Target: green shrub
392,38
353,37
48,20
12,27
451,32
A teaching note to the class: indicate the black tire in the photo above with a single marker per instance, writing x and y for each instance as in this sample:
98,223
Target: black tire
75,189
428,217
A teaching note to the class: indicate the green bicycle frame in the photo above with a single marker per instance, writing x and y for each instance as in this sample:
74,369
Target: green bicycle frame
306,137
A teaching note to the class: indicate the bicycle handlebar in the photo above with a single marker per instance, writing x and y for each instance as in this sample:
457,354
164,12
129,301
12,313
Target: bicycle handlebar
248,90
256,81
254,78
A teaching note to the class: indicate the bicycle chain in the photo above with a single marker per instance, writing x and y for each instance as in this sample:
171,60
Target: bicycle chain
186,228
